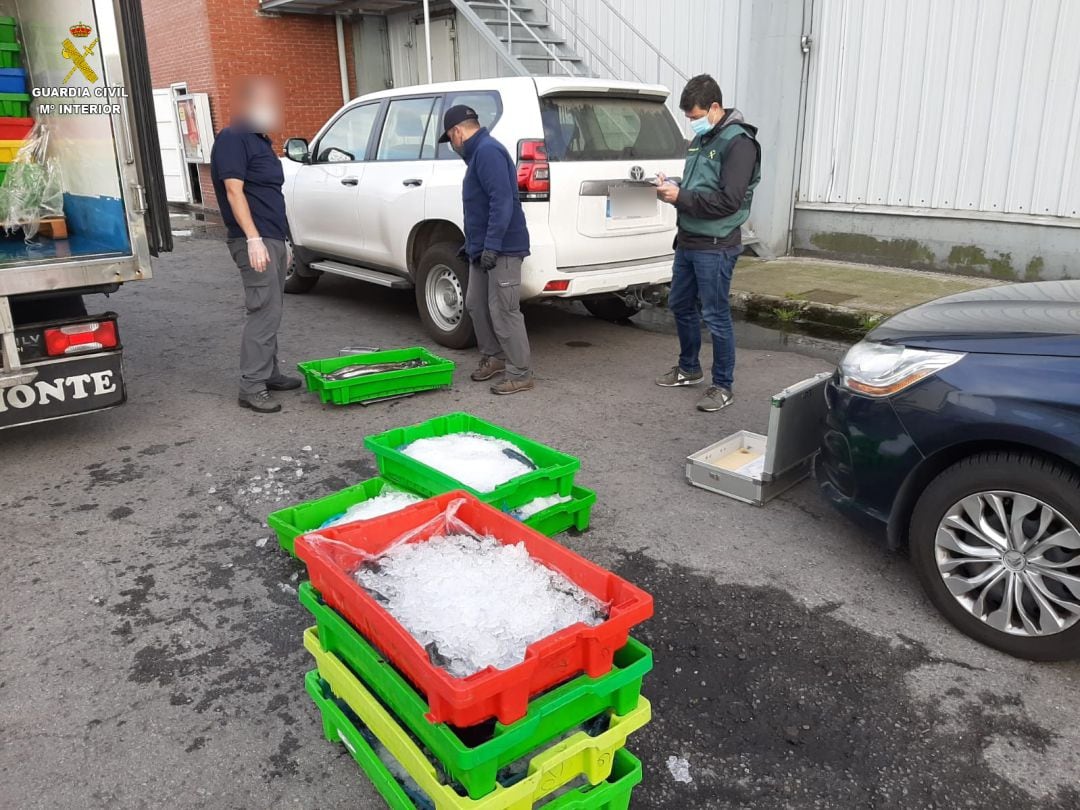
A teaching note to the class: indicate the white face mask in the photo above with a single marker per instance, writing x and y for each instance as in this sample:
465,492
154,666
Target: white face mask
264,119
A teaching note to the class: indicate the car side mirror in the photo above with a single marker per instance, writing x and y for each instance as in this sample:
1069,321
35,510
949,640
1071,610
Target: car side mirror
297,149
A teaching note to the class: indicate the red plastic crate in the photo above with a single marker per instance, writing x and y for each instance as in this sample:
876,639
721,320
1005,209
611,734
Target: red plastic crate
503,694
15,129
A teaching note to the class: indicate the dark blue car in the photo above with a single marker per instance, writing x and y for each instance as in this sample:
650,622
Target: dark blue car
956,426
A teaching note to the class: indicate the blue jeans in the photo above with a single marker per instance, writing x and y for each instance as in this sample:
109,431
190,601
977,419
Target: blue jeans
702,279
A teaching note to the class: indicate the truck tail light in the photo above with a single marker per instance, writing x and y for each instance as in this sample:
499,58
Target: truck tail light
81,337
533,172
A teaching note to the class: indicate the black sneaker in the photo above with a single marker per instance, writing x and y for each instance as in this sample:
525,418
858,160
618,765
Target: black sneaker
677,377
261,402
284,383
714,399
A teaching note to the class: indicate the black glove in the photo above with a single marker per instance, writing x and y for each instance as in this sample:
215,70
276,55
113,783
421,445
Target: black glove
488,259
463,254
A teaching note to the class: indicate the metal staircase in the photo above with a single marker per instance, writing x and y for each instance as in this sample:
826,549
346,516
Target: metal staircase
534,38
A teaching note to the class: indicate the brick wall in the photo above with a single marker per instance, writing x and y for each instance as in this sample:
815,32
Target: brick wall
211,44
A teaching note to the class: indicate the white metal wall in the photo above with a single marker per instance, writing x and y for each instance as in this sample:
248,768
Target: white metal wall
698,36
968,105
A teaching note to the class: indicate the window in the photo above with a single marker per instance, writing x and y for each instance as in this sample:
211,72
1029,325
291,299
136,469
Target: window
348,137
405,133
609,129
488,106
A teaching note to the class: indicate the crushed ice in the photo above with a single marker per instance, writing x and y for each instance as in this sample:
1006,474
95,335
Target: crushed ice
479,462
387,501
474,602
679,767
538,505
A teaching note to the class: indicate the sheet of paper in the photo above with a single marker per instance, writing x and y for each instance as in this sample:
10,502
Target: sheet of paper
754,469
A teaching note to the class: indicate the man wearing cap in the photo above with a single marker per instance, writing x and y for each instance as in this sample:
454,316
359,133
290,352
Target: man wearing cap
496,242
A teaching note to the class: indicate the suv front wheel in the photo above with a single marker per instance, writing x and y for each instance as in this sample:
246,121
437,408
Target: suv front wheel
441,281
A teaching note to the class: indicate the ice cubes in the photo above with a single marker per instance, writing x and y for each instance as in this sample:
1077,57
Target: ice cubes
473,602
480,462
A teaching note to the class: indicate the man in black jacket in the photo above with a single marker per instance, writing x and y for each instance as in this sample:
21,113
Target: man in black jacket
496,242
723,166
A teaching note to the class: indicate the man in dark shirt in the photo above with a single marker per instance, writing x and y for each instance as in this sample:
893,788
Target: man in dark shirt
723,166
496,242
247,179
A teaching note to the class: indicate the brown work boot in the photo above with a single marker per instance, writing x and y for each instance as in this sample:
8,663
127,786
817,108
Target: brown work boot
513,385
488,368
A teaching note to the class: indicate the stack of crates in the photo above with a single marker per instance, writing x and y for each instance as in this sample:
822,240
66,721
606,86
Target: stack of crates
15,123
550,731
554,476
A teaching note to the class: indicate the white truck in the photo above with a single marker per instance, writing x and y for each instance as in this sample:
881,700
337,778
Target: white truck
87,80
374,197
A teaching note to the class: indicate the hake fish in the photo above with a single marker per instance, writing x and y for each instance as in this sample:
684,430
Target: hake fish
367,369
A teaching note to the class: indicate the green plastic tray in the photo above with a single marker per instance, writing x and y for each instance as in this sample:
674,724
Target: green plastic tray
13,105
10,57
555,473
549,715
439,373
8,25
341,725
293,521
561,517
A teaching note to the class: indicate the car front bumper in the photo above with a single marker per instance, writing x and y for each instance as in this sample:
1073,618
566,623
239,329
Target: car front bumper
866,453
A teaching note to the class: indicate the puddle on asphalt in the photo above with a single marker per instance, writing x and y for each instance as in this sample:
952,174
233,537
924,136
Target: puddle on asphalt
821,342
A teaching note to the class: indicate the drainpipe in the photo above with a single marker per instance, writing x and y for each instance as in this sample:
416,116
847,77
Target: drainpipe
342,62
427,38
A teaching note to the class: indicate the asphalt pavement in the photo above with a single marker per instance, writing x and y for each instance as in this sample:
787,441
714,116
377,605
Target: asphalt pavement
150,636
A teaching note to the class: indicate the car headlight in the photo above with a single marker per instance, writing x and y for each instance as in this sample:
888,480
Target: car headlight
880,370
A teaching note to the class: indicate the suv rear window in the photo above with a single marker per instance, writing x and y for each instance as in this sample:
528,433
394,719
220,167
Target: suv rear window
591,128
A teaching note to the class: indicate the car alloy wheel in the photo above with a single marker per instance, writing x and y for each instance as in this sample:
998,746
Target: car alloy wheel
1012,561
445,298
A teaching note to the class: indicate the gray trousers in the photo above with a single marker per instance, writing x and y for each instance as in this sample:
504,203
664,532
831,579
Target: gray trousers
263,298
492,300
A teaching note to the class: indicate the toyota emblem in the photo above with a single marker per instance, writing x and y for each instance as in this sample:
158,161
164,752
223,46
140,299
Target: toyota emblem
637,173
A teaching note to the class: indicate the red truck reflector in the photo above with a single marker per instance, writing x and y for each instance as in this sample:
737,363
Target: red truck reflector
557,286
81,337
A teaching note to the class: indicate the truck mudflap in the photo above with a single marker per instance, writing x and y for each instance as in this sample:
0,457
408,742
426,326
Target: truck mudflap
66,386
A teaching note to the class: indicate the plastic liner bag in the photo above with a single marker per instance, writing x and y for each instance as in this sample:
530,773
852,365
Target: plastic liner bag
470,601
33,187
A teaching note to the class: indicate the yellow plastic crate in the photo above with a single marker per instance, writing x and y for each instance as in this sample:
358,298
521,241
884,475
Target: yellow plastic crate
548,771
8,150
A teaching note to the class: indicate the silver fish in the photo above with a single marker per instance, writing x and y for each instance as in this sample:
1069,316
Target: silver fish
366,370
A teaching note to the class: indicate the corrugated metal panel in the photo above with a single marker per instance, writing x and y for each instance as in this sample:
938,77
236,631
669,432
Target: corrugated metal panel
969,105
476,58
698,36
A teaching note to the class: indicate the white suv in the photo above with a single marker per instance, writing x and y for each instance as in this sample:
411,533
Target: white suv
376,198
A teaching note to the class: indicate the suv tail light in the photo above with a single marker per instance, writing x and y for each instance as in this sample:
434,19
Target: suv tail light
81,337
534,174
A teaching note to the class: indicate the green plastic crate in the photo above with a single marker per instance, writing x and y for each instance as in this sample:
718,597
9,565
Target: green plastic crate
293,521
549,715
14,105
11,57
341,725
3,172
439,373
8,26
561,517
554,473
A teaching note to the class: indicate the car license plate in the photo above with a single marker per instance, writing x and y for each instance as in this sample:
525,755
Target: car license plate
629,202
65,387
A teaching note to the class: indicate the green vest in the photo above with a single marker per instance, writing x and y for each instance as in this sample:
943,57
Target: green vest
702,173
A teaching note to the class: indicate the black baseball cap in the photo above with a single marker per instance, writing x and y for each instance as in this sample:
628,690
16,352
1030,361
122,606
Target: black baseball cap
454,116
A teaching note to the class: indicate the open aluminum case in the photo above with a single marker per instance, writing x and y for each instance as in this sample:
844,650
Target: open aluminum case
755,469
